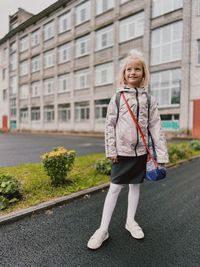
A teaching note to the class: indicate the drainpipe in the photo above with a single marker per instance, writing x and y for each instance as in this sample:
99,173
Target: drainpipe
189,76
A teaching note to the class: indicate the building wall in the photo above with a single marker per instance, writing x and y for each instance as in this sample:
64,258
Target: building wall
114,54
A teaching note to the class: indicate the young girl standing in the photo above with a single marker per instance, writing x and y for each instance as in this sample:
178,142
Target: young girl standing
124,146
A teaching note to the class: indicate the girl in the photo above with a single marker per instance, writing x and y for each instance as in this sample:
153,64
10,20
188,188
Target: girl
125,148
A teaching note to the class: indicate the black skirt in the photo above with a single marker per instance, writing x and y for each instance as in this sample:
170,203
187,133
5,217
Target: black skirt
129,170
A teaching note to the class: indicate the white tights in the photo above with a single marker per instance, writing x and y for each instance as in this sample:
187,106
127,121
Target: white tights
111,200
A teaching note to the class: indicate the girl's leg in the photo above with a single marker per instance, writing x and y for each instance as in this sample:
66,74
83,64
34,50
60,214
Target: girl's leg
101,234
133,199
109,205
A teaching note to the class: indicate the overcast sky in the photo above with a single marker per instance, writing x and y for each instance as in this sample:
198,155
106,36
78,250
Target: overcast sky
9,7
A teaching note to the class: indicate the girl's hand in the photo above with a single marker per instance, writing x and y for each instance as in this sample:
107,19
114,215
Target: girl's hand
114,159
161,165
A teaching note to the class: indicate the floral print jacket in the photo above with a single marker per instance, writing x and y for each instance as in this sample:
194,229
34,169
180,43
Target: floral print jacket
122,136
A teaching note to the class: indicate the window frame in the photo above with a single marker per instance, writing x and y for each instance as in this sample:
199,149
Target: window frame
48,30
126,26
100,70
108,30
86,6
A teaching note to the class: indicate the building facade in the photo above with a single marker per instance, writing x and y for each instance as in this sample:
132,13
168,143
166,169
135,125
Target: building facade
59,67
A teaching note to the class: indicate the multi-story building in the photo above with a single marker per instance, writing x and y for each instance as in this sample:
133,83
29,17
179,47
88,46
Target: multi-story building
59,67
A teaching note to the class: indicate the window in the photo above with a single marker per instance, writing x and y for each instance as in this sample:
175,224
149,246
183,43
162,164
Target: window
3,74
23,68
48,86
165,86
48,30
13,47
64,22
35,89
170,121
82,13
13,85
104,74
49,59
5,53
198,51
64,53
198,7
35,113
4,94
103,5
24,91
82,46
13,106
64,112
23,44
166,43
13,61
64,83
82,111
131,27
161,7
104,38
82,79
35,38
35,64
24,115
101,109
49,113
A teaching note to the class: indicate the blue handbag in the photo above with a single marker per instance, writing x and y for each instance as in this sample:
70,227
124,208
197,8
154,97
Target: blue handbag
154,172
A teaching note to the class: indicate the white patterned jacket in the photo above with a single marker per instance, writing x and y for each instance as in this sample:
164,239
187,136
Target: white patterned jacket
122,136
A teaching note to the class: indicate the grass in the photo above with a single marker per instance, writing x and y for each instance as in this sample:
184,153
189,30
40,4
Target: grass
37,185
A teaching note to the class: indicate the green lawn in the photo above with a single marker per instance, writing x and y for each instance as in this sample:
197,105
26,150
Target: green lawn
37,185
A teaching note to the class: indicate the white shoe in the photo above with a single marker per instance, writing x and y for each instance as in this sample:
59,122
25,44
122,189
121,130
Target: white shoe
135,230
97,239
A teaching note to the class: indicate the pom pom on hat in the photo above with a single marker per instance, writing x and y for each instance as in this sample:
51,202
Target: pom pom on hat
134,53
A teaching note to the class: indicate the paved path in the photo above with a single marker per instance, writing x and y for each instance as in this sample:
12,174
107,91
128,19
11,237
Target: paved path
16,148
168,212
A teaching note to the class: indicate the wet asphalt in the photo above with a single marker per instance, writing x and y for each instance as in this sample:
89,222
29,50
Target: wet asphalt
17,148
169,213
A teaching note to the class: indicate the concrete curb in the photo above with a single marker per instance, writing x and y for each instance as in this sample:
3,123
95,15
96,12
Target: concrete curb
16,215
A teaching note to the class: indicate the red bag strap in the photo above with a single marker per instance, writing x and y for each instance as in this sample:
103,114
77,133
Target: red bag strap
139,129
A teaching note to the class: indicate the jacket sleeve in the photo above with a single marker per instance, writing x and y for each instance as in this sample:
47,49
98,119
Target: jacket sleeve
157,133
110,134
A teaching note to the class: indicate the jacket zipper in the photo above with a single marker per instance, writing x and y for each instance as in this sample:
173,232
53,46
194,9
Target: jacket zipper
137,120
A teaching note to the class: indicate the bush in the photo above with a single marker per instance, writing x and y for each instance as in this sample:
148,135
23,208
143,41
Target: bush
10,190
195,145
57,164
103,166
179,152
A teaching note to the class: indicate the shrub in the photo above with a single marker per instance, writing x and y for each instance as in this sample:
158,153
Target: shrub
103,166
179,152
195,145
57,164
10,190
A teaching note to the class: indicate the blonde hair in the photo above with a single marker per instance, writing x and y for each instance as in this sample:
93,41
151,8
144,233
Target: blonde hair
132,55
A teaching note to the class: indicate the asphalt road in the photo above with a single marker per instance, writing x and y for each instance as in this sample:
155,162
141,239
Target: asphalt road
168,212
25,147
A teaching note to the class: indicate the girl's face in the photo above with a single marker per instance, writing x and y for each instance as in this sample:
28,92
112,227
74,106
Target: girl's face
134,73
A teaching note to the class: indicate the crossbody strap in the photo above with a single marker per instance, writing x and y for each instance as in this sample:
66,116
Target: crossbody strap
139,129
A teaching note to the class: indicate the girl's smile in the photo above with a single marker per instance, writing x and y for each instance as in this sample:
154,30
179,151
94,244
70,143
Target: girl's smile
134,73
